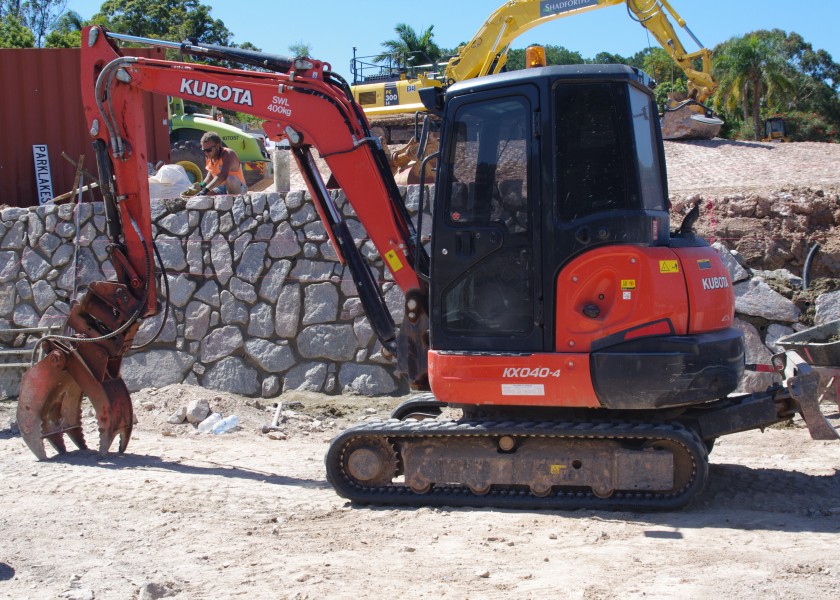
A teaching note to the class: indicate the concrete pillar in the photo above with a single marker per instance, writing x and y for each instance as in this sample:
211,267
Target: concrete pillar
280,159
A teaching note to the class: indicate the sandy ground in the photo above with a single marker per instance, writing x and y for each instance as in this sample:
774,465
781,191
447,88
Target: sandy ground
723,166
250,515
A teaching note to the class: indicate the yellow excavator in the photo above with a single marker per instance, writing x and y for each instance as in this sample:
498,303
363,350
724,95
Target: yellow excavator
392,102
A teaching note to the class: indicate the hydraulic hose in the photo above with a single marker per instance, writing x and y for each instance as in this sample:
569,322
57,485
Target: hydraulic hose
806,270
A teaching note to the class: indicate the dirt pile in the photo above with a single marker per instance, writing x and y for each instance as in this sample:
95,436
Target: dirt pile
772,229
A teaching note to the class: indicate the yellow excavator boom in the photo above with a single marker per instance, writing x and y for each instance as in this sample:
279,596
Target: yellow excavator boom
486,52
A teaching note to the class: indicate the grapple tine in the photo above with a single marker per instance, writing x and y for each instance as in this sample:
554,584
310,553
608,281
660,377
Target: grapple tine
56,440
49,405
67,420
110,399
120,414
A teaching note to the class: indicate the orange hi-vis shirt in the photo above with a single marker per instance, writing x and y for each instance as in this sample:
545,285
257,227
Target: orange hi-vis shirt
214,167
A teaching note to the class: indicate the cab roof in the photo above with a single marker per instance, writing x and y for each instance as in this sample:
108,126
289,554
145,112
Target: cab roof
588,72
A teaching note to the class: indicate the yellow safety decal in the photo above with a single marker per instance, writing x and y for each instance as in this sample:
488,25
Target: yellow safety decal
555,469
669,266
393,261
628,284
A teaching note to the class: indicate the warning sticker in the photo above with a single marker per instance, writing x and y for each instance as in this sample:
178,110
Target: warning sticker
393,261
555,469
628,284
669,266
523,389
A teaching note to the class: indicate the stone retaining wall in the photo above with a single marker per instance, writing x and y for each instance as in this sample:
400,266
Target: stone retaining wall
258,303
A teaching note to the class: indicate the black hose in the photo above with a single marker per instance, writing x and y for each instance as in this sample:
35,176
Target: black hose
165,305
806,270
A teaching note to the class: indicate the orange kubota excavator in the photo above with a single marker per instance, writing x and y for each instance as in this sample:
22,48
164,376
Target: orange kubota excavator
589,347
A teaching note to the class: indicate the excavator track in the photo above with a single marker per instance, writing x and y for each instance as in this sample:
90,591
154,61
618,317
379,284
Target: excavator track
519,464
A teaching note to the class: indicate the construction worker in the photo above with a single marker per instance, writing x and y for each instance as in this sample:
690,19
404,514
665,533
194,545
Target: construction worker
224,171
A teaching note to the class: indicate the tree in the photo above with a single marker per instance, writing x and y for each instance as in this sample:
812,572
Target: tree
816,64
410,47
14,34
42,15
164,19
654,61
751,70
658,64
37,16
663,88
67,32
554,55
300,49
813,112
606,58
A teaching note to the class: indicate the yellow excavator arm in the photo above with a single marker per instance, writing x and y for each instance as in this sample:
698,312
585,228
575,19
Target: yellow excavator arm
486,52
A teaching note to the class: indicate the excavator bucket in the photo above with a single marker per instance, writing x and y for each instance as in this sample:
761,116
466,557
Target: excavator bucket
689,120
49,404
410,174
803,382
406,164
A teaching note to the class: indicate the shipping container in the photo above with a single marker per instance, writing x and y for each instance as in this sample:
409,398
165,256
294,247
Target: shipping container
41,113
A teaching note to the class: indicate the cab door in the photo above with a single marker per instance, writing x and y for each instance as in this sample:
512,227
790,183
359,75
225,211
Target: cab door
486,242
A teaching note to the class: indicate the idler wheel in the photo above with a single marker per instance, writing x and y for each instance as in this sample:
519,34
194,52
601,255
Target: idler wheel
370,461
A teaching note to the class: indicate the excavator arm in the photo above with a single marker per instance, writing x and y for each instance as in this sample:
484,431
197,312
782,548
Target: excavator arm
301,101
486,52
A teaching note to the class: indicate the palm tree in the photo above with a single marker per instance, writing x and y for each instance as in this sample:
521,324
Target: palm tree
751,69
410,47
70,21
67,32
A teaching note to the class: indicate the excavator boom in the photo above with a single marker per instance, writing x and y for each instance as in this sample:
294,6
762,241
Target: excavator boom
486,54
303,102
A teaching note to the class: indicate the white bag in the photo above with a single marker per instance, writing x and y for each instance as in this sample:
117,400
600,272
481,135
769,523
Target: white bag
168,182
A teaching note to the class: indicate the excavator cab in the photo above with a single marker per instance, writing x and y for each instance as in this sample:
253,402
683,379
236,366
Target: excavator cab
549,179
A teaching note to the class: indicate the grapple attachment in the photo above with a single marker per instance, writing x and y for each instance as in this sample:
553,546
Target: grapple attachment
689,120
406,162
88,364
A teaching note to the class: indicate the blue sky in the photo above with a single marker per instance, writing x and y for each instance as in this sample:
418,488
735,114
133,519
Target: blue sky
333,27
